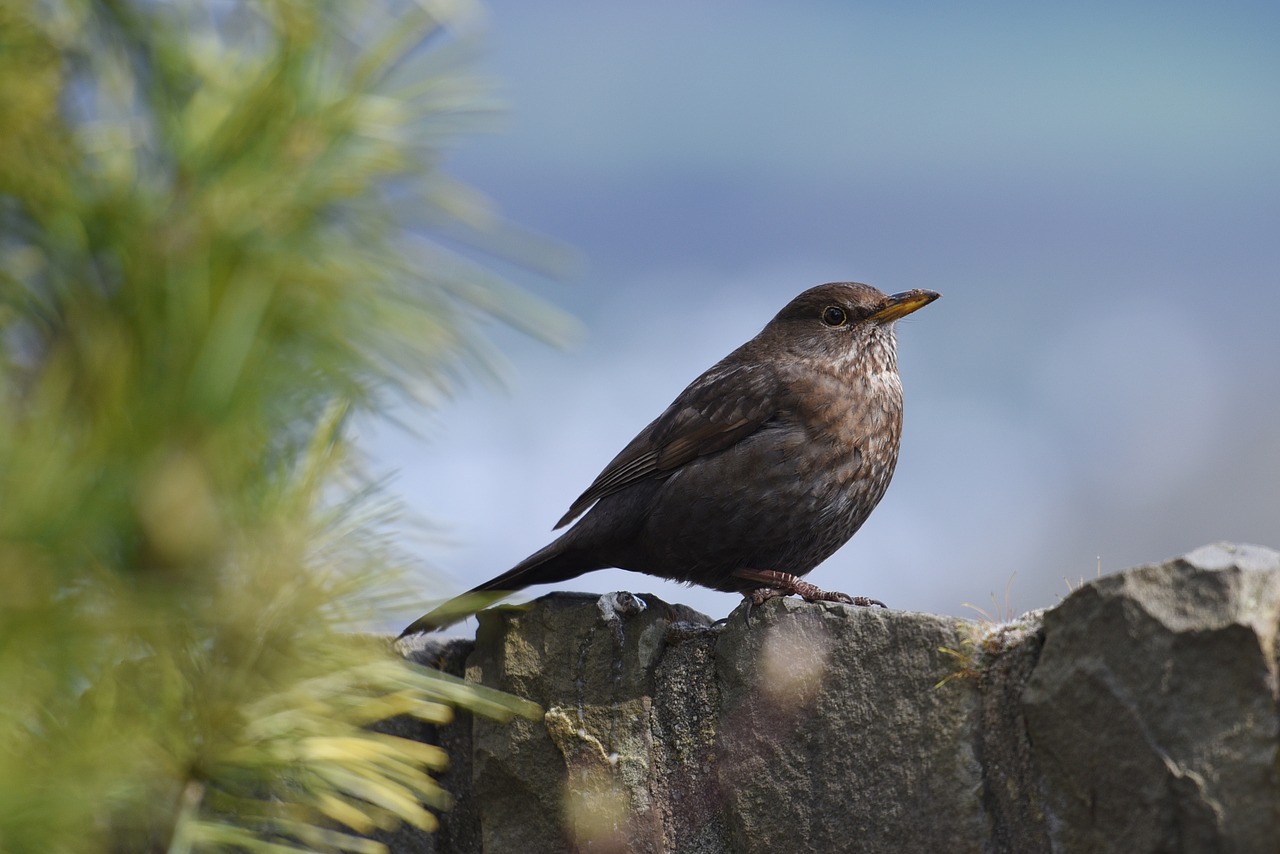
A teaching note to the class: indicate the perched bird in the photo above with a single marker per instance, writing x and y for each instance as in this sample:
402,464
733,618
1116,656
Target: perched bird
756,473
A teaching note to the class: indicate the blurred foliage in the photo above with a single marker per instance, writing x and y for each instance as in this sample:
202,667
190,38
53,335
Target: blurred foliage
211,255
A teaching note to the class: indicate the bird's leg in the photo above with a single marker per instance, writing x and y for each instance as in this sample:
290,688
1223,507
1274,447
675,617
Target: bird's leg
774,584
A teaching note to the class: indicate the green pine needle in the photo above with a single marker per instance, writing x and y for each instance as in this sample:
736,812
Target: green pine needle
211,259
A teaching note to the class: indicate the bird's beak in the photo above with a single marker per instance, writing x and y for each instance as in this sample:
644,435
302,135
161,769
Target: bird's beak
900,305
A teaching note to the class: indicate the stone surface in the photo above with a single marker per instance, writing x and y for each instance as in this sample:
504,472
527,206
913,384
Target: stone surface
834,734
1139,715
585,777
1004,657
1152,711
460,826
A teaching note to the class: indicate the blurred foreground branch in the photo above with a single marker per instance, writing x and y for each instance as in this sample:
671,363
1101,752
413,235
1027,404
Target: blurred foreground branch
206,264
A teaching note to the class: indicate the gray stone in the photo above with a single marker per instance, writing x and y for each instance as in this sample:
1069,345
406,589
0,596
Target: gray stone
1153,708
459,826
685,784
1140,715
586,776
835,735
1004,657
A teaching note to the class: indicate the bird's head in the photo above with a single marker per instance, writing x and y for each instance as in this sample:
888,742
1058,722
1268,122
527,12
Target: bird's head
840,321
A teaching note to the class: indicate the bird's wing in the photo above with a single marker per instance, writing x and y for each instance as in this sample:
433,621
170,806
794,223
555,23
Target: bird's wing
717,410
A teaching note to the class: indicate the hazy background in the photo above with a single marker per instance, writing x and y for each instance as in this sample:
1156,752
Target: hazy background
1094,188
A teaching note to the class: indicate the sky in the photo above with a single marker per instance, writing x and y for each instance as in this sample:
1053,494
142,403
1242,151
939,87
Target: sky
1094,188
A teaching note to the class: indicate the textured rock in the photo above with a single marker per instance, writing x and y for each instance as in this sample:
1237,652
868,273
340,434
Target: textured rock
1139,715
1153,708
1005,656
586,776
460,827
685,782
834,734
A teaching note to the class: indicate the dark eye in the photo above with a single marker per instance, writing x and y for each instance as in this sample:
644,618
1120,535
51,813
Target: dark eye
833,315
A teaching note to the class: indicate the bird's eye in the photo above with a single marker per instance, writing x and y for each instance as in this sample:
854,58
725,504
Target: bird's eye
833,315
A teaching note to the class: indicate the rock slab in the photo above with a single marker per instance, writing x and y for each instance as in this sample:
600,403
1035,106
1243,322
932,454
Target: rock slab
1152,709
1140,714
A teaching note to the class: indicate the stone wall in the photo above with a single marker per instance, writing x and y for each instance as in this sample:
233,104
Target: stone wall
1140,714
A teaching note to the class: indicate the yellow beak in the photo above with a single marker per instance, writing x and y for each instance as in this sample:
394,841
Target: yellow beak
900,305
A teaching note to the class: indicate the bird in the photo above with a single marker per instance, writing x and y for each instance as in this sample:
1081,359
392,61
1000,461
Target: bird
756,473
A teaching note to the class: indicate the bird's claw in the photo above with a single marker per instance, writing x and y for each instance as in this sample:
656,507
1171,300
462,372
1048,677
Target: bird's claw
786,584
758,597
845,599
819,595
761,595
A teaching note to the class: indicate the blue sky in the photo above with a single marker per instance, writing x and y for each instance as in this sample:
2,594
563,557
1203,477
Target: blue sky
1094,188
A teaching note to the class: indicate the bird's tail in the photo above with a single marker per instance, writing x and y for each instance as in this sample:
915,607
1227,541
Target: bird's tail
551,564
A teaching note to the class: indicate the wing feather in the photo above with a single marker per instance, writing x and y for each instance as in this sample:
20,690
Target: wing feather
719,409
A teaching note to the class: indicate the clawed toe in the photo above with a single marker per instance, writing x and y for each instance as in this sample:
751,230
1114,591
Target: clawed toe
846,599
811,593
756,598
763,594
775,584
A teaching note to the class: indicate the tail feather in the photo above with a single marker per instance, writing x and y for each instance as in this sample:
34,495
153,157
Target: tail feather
547,566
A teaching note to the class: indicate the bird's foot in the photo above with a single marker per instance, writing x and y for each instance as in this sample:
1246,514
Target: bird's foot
786,584
763,594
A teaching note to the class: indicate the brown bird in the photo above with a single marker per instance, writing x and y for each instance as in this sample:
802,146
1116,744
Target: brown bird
756,473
